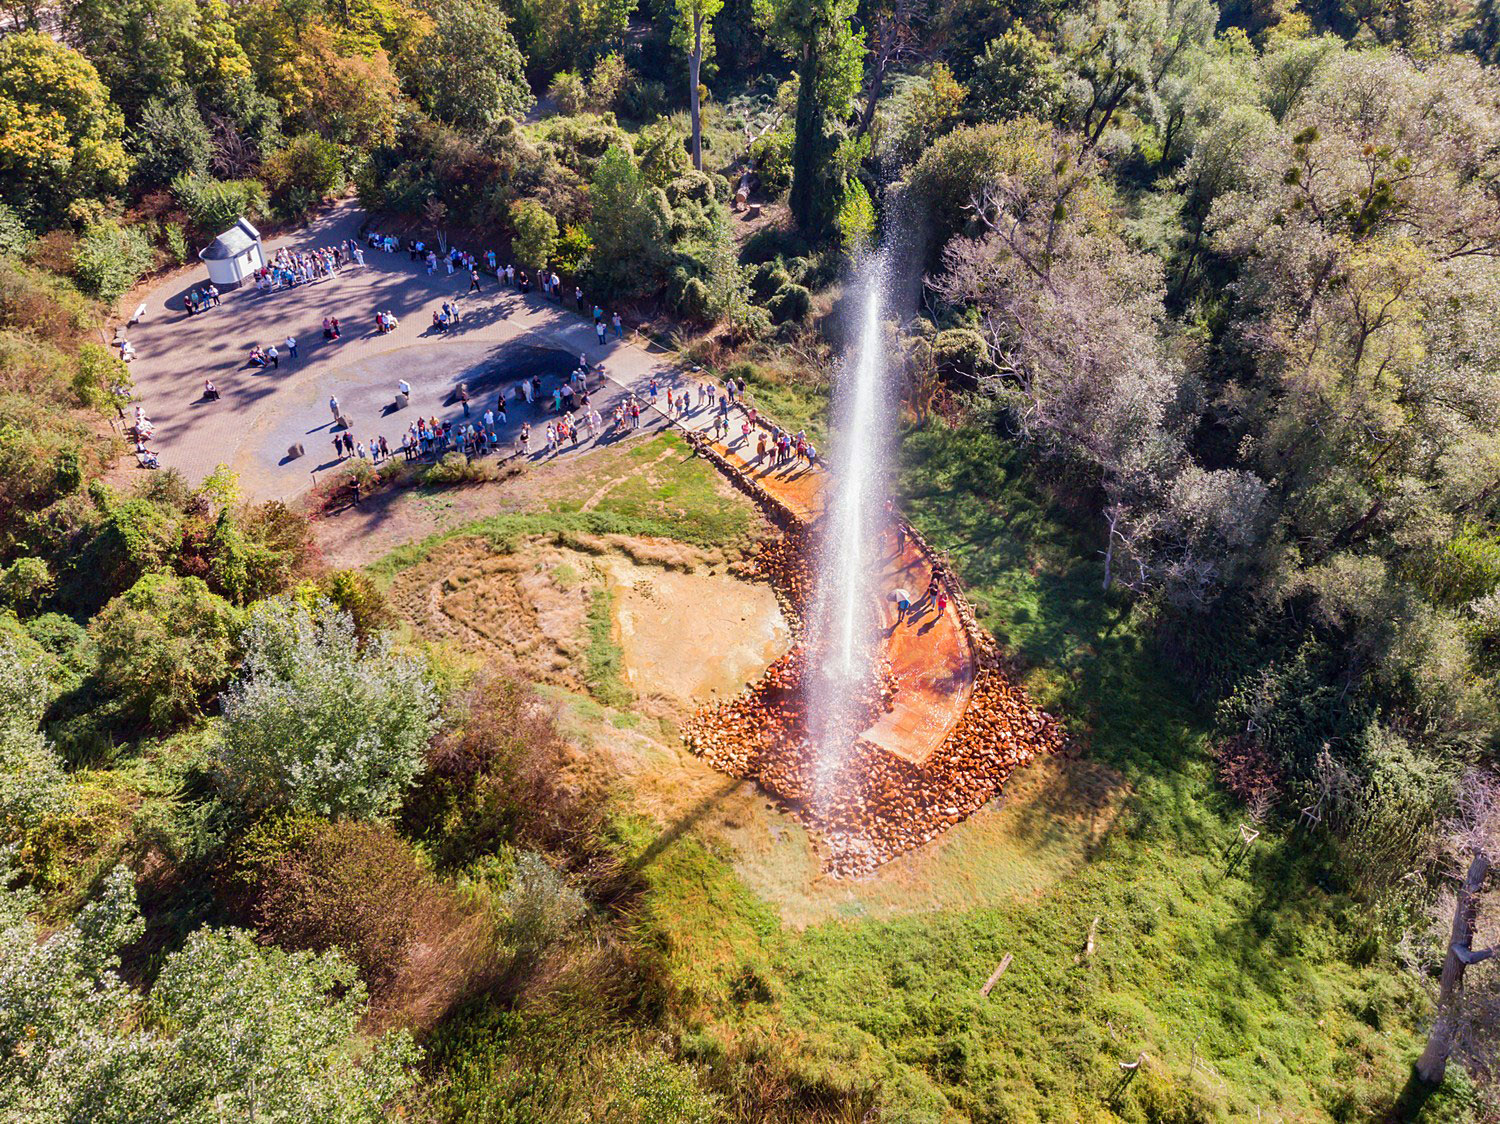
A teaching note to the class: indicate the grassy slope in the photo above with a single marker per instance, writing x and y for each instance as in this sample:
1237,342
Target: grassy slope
1258,972
683,501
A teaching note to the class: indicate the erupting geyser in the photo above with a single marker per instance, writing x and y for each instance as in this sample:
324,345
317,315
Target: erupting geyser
841,629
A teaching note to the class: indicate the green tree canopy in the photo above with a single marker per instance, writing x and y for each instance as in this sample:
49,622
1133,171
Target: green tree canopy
165,646
320,721
471,73
629,225
829,55
60,137
231,1030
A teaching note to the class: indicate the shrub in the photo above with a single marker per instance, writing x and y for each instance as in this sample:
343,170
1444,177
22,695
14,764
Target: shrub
768,278
353,592
214,206
319,721
454,468
303,174
791,304
608,78
536,233
99,375
25,582
495,776
15,237
568,93
32,784
574,250
164,647
354,886
772,154
961,351
643,101
110,258
174,241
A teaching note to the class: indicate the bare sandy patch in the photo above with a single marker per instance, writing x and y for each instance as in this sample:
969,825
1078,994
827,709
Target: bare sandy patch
693,636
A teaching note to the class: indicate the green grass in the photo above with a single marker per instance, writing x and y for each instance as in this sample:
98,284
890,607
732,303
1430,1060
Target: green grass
682,501
1263,974
603,661
676,490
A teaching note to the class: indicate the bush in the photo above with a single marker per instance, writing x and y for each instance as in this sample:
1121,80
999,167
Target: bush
643,101
319,721
454,468
15,237
214,206
110,258
353,592
32,784
791,304
573,252
496,777
354,886
536,233
164,647
303,174
175,242
25,582
568,93
772,154
99,376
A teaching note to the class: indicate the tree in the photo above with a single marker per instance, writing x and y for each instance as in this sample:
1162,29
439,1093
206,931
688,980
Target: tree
303,174
164,647
213,1041
216,205
472,72
695,30
628,226
1073,317
59,135
1124,51
536,232
1015,77
319,721
818,34
170,139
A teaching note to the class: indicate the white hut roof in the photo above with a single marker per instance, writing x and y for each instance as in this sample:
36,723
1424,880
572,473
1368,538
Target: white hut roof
232,243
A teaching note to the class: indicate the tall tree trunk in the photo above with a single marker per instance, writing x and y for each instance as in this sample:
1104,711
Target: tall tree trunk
1433,1063
881,59
694,66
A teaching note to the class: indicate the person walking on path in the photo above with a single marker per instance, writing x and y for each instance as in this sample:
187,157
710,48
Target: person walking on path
474,281
903,604
291,346
273,355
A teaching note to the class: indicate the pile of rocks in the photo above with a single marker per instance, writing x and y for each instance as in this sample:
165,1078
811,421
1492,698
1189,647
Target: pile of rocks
872,805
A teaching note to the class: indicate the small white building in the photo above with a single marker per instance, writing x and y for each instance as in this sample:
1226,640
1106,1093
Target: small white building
234,255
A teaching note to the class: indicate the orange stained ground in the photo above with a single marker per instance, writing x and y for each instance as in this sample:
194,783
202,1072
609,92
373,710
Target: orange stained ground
929,654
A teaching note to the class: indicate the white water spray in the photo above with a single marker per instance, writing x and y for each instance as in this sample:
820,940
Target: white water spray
842,629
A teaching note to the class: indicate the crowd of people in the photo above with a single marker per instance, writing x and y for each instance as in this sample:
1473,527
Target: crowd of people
291,268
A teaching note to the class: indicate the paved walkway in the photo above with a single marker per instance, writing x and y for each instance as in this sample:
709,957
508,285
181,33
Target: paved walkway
501,336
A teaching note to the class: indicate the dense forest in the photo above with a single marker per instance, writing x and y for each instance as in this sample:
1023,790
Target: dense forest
1194,389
